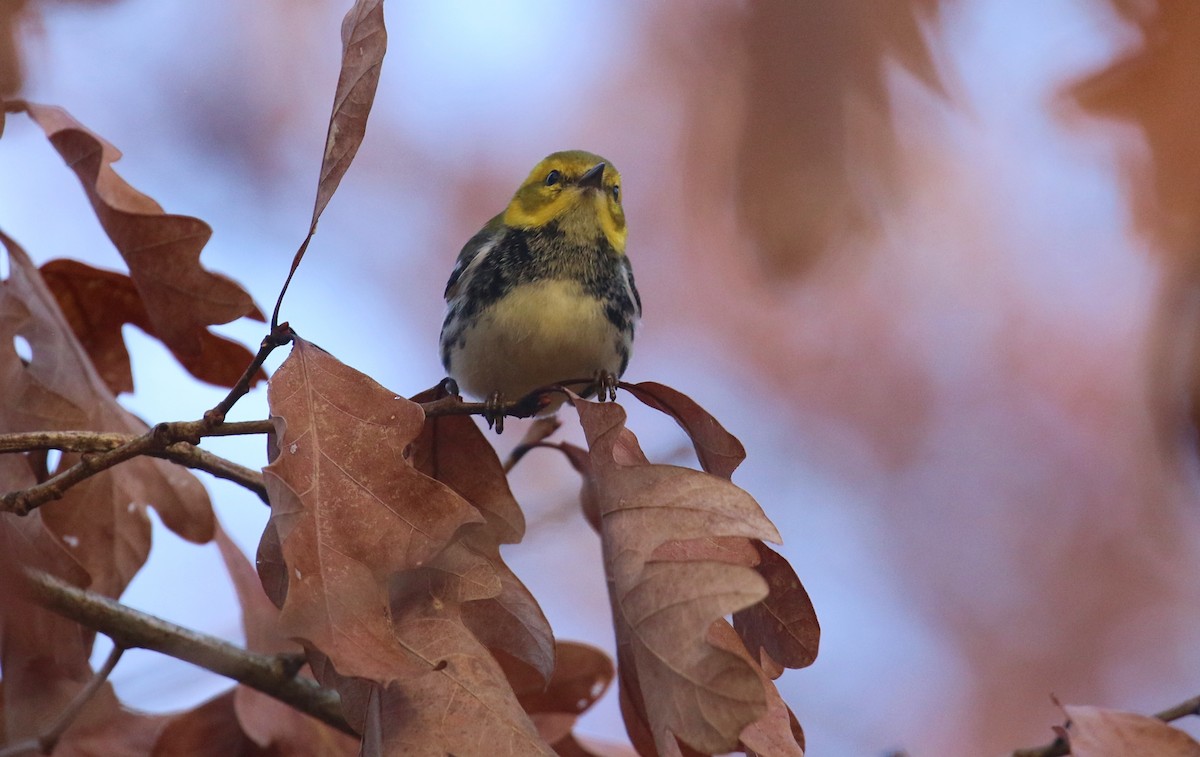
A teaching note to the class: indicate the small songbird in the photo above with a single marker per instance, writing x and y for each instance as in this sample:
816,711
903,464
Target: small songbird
544,292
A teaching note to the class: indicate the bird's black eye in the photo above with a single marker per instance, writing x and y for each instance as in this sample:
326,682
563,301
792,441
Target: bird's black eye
553,178
616,190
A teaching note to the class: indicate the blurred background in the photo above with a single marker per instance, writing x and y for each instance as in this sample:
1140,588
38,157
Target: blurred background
933,261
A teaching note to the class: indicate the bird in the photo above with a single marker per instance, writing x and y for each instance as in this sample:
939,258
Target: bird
544,292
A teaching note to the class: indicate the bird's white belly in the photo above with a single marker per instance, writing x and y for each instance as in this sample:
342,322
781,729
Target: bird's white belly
540,333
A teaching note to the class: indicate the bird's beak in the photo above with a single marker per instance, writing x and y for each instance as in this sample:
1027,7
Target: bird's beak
594,178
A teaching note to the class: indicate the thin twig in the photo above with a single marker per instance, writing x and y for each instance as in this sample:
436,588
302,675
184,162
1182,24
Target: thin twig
1060,747
274,675
279,336
195,458
48,740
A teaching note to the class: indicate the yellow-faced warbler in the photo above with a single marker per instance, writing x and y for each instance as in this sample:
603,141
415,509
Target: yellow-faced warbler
544,292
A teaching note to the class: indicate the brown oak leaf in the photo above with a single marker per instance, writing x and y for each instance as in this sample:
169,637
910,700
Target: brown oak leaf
454,451
263,720
376,572
103,519
719,451
364,42
162,250
703,695
783,627
97,303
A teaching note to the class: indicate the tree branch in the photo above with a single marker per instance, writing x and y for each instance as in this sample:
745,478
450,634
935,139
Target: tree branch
274,676
176,440
47,741
183,453
1059,746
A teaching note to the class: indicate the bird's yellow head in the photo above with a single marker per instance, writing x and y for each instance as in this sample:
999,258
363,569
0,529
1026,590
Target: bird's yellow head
579,190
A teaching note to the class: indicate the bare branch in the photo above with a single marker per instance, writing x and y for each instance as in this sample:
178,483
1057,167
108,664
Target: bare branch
279,336
1059,746
47,741
183,453
190,456
275,676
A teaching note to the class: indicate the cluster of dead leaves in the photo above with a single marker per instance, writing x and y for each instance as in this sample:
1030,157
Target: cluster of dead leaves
383,555
62,362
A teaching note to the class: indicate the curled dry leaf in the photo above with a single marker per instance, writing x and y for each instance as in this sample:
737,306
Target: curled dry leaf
777,733
97,303
454,451
582,674
364,42
102,520
719,451
702,694
784,625
783,628
181,298
1097,732
376,572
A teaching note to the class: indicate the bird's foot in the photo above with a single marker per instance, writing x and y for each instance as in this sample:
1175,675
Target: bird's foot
493,411
606,385
449,387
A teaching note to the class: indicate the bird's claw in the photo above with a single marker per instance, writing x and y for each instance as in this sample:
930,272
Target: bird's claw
493,411
606,386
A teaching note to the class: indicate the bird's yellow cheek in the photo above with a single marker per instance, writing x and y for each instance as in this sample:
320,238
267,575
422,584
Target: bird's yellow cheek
613,229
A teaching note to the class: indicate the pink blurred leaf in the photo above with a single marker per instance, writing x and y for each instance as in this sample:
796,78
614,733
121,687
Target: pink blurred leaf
1098,732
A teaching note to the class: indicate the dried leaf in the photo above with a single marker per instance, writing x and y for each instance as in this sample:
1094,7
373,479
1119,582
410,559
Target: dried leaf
776,733
348,508
103,519
662,609
1097,732
98,534
264,720
783,628
464,707
209,730
581,676
105,727
377,571
719,451
162,251
97,303
43,655
364,42
731,550
454,451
